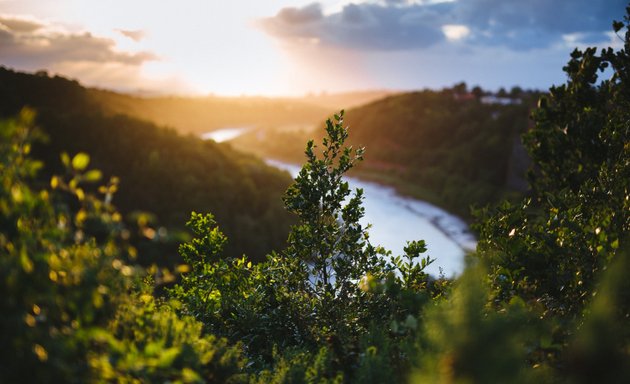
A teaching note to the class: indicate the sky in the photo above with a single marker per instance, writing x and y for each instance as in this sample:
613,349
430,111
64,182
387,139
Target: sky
290,48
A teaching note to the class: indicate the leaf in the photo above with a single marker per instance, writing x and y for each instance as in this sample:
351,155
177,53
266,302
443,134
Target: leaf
190,376
615,244
80,216
27,264
167,357
411,322
80,161
65,159
80,194
93,175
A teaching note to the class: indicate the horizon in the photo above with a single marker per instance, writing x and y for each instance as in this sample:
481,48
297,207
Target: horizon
322,94
283,48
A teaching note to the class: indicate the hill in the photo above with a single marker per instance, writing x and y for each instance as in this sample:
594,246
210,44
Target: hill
161,171
453,147
202,114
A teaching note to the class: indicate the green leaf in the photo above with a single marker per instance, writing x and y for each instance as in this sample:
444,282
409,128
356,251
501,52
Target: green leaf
80,161
93,175
25,261
54,182
615,244
65,159
167,357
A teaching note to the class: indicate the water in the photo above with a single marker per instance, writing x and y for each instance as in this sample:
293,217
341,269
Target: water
396,220
224,134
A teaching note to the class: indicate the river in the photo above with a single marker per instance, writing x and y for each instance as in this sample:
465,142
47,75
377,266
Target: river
224,134
396,219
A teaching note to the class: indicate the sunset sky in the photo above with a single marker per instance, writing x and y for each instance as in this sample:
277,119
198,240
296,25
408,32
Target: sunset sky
280,47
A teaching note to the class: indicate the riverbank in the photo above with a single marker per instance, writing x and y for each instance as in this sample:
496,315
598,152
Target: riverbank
396,219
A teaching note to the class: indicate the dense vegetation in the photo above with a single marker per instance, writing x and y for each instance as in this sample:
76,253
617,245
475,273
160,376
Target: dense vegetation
545,299
455,148
73,309
161,172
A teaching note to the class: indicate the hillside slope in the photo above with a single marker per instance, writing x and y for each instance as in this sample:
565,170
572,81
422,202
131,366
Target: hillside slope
452,147
161,171
448,147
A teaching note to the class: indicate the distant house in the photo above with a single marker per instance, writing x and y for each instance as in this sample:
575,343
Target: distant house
491,99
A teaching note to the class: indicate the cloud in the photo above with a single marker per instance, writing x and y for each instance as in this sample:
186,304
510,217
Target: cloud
296,16
135,35
523,25
407,24
364,26
29,44
20,25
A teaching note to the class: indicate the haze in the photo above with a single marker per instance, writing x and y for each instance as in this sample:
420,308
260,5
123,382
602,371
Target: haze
279,47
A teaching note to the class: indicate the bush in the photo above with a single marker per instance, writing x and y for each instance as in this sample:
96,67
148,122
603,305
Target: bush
72,309
330,288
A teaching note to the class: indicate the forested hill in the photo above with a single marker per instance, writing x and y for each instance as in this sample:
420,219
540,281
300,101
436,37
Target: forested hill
161,171
452,147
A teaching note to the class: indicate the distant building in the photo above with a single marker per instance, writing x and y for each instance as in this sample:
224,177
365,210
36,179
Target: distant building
491,99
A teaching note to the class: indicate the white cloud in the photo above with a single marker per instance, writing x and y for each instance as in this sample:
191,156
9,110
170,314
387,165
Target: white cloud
455,32
28,43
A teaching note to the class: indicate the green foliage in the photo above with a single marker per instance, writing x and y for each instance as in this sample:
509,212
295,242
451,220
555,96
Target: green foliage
550,248
546,315
329,241
466,341
148,342
60,282
377,351
219,291
301,367
328,289
162,172
600,351
71,311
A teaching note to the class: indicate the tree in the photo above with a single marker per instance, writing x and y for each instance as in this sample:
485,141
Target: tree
550,248
330,295
329,236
